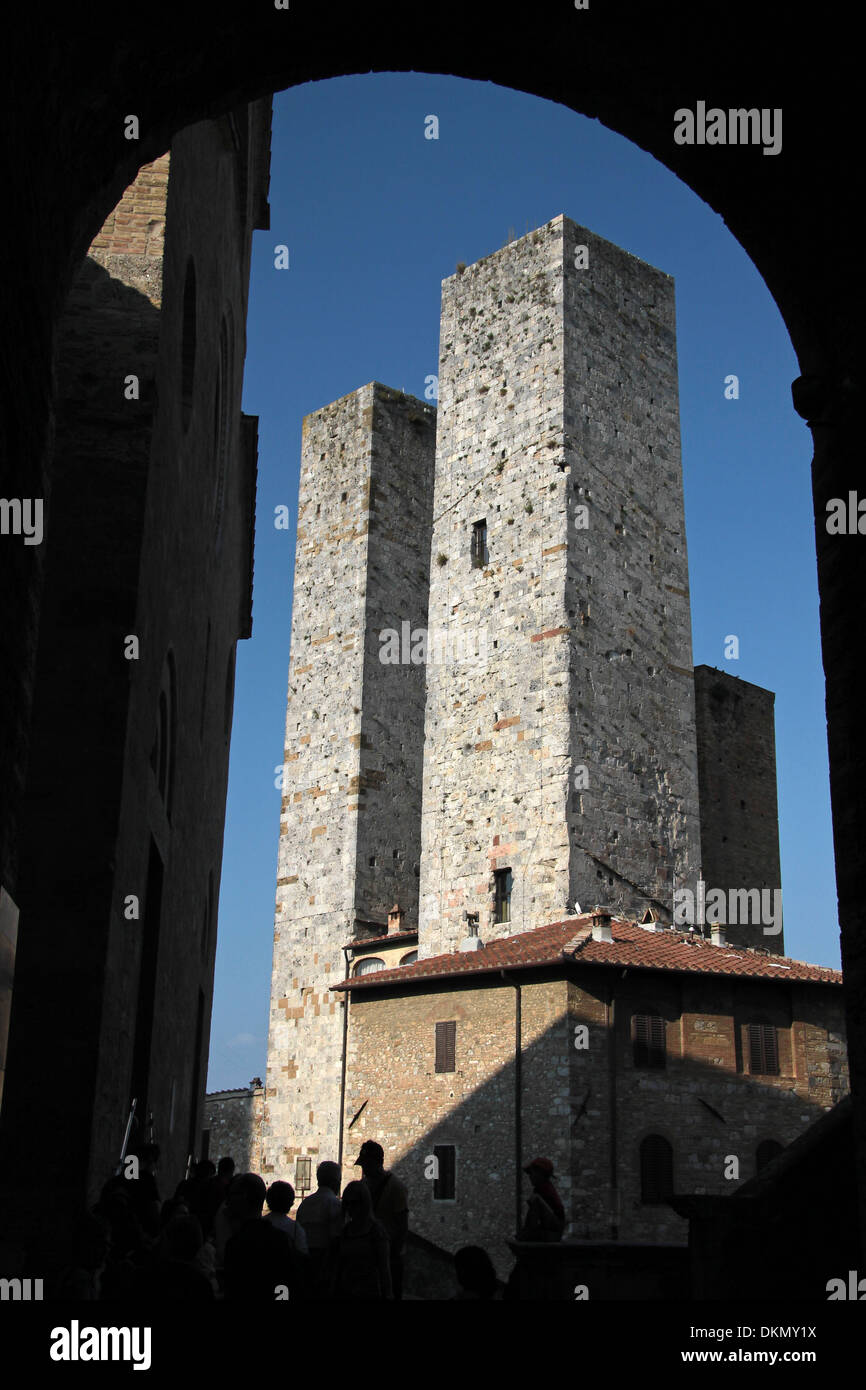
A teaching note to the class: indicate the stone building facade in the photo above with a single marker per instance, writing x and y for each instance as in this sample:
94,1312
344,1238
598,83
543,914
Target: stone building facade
549,1057
491,711
121,832
232,1126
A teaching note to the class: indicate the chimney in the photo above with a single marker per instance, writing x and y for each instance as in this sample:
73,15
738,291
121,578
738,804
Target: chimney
395,918
471,941
601,925
717,934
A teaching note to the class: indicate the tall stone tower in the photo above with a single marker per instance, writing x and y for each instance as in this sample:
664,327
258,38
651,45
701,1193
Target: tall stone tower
561,770
350,819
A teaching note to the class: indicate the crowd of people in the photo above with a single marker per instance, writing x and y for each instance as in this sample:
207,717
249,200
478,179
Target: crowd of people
224,1235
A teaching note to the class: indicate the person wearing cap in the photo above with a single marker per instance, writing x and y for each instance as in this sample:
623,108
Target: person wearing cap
390,1205
545,1214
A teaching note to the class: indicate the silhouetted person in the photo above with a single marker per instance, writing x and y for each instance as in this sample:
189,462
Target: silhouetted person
390,1205
91,1240
362,1267
545,1214
216,1192
321,1216
194,1191
258,1258
173,1276
142,1192
475,1274
280,1198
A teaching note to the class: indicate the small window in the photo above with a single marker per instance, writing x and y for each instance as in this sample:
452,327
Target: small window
763,1050
479,544
368,965
656,1170
303,1174
766,1152
649,1039
503,882
409,958
446,1046
445,1185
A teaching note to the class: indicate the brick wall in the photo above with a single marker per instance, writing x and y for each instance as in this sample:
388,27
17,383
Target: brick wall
587,1108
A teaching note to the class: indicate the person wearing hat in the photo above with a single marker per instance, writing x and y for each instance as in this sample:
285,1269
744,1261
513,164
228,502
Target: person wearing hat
390,1205
545,1214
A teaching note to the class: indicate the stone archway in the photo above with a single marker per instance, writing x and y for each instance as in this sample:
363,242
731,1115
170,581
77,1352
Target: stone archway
66,161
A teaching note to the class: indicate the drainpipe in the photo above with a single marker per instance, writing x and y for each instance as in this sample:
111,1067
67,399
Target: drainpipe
518,1098
343,1062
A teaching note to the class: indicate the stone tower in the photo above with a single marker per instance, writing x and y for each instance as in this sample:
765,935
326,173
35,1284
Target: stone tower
350,819
564,763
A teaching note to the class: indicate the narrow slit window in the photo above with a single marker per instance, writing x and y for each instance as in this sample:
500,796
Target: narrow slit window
503,882
479,544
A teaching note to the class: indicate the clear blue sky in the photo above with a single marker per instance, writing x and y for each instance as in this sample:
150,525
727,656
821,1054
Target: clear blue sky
375,216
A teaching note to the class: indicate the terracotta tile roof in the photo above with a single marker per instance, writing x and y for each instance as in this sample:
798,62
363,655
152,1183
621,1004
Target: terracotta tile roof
633,946
357,941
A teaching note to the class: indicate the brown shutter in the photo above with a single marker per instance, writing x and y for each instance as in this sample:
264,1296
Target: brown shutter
649,1040
763,1050
446,1046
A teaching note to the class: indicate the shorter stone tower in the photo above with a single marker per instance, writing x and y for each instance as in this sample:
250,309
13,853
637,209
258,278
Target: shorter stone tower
350,818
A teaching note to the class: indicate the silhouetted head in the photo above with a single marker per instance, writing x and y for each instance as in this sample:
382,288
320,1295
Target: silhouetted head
475,1272
225,1168
205,1168
182,1238
245,1197
371,1159
539,1171
358,1203
328,1175
281,1197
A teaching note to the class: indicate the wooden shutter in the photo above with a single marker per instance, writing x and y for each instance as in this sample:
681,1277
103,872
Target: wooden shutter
446,1046
649,1040
763,1050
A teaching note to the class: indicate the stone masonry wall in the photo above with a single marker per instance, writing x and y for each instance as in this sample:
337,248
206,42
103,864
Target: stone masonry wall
634,803
557,388
353,739
739,805
233,1120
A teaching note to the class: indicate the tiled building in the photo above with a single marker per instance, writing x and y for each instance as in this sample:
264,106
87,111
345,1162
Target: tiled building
641,1060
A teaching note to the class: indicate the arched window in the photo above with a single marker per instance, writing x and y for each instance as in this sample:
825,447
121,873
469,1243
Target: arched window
368,964
766,1151
648,1039
409,958
763,1049
656,1170
187,345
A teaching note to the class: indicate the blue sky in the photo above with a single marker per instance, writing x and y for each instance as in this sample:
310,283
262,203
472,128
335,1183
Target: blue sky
375,216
